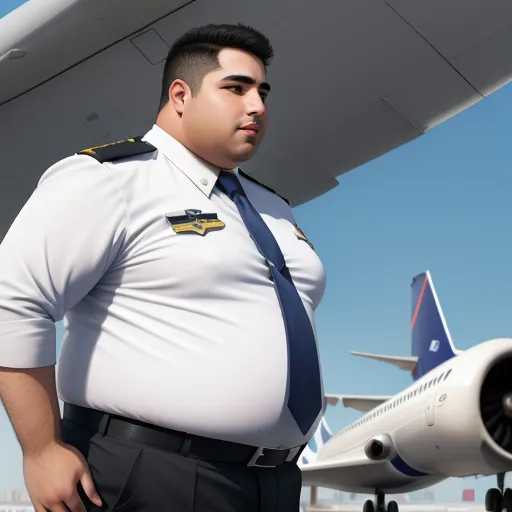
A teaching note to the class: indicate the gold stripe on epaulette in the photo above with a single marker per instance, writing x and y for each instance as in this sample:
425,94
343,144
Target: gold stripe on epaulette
92,151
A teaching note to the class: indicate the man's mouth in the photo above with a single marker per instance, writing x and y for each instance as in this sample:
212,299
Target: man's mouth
251,129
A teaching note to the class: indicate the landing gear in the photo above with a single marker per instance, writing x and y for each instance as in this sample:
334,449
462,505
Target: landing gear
392,506
379,504
497,500
368,506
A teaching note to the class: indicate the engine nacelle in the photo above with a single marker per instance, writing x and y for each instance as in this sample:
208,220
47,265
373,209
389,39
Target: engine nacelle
465,422
380,447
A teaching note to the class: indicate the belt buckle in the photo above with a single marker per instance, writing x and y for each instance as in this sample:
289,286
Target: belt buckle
259,452
254,459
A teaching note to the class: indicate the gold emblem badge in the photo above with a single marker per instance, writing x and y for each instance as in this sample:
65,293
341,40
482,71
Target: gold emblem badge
199,226
301,236
194,221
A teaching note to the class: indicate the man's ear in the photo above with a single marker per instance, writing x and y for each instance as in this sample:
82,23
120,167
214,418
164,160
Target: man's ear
179,94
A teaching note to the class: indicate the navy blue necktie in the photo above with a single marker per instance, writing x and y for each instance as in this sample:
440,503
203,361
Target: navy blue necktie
305,400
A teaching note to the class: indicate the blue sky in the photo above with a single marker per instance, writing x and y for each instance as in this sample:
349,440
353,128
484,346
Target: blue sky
6,6
440,203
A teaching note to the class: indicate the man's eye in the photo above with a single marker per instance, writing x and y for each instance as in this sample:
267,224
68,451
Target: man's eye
237,88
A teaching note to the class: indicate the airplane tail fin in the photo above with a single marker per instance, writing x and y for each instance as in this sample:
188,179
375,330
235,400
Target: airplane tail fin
322,434
431,342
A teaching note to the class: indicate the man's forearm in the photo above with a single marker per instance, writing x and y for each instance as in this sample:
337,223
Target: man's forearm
30,398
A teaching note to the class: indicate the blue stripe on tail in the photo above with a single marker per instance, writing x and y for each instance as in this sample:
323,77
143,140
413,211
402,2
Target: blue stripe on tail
431,342
321,436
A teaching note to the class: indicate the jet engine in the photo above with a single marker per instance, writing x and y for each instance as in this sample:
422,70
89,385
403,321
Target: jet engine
380,447
496,403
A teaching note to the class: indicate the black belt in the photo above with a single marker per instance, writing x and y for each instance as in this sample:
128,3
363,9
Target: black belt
178,442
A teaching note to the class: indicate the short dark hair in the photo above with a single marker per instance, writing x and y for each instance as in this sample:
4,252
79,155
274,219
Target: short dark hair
196,52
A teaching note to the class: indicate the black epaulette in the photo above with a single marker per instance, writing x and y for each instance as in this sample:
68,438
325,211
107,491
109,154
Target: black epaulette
120,149
250,178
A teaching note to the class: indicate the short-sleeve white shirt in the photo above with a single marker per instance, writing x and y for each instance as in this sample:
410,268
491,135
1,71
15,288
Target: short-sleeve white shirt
179,330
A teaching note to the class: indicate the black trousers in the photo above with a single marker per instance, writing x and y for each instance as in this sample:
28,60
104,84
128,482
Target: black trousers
130,477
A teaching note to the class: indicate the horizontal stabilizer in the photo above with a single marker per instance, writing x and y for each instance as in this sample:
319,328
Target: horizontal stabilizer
407,363
363,403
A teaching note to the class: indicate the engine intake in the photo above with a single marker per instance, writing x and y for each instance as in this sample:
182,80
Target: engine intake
496,403
379,448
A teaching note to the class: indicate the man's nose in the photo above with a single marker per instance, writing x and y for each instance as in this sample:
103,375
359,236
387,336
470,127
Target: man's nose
256,105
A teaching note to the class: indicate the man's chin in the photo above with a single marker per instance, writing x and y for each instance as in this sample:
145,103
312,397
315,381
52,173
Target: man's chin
250,145
246,153
240,153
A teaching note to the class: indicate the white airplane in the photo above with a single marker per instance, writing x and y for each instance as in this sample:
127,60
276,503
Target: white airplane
351,79
406,505
455,420
430,506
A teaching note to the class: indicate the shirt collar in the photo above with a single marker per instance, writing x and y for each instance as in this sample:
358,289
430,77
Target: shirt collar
201,173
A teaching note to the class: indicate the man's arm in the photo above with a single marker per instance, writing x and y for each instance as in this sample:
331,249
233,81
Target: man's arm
30,398
60,245
52,469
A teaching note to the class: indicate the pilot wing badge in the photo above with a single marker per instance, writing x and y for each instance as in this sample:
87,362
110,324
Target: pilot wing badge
194,221
301,236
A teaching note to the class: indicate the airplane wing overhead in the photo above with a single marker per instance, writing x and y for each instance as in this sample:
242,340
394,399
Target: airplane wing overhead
79,73
403,362
90,26
362,403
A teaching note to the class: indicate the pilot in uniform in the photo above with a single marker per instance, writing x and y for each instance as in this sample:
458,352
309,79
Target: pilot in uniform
189,370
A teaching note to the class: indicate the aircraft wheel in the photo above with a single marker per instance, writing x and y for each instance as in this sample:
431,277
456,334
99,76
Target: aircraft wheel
393,506
493,500
506,502
368,506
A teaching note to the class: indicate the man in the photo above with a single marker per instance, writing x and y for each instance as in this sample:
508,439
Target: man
189,369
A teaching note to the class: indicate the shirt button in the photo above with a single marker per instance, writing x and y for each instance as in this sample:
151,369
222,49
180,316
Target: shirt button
204,182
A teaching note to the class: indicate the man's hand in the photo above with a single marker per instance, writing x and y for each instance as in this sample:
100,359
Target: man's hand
52,469
52,476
